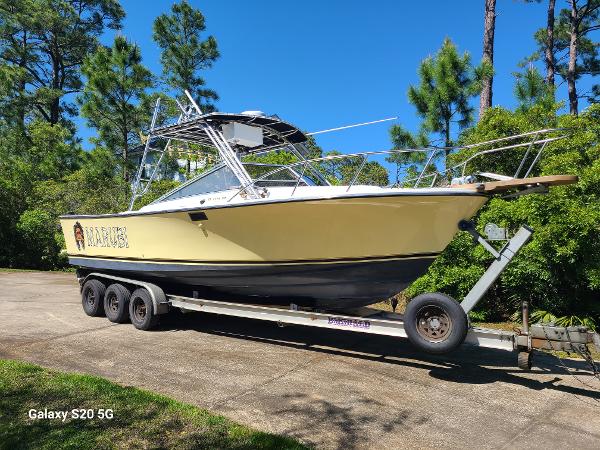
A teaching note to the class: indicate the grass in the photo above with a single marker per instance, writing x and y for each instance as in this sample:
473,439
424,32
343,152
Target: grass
9,270
6,269
141,419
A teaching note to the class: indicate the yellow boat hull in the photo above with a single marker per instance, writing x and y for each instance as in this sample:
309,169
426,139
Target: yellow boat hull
351,249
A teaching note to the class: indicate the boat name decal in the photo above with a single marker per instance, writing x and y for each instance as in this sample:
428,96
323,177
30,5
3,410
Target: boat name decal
353,323
115,237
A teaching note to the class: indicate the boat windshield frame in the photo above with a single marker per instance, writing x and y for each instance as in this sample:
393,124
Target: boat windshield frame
195,127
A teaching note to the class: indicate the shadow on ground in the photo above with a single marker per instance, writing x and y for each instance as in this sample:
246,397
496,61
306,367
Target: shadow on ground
470,365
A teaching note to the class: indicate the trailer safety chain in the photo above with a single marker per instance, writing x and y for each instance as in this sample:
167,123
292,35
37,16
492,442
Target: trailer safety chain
586,355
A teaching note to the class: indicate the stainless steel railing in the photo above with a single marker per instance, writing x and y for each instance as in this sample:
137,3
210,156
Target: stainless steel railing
539,138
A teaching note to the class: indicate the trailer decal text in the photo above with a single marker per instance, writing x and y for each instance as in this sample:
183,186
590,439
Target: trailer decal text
344,322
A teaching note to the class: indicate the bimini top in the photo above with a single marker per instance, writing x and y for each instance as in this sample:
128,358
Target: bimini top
275,131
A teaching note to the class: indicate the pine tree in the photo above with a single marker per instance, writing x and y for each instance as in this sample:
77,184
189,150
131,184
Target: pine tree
568,50
531,89
549,50
111,98
447,83
583,17
42,46
406,161
545,39
184,53
485,100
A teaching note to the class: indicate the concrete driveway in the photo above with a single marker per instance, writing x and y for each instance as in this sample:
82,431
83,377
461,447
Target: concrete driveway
332,389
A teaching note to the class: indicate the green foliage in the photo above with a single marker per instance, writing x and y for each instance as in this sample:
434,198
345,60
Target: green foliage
184,53
38,153
116,83
587,62
447,82
94,189
499,122
343,171
559,270
42,46
158,188
407,161
541,316
39,240
531,89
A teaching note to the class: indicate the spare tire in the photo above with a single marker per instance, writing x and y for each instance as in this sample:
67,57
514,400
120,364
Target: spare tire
435,323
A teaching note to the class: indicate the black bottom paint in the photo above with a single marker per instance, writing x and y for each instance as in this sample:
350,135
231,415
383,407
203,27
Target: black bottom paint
332,285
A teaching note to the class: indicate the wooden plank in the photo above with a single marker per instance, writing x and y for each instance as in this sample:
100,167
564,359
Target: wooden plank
502,186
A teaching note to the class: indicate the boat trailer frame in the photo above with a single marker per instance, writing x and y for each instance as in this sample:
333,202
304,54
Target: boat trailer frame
374,321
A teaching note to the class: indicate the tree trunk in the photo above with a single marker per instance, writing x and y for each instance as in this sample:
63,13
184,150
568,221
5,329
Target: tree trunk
550,44
56,85
22,85
571,72
485,100
125,155
447,141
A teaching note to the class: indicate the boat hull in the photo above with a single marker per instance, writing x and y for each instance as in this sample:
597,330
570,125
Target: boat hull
339,284
327,252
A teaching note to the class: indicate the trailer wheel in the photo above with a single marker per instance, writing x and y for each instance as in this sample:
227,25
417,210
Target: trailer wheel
525,360
141,310
92,296
435,323
116,303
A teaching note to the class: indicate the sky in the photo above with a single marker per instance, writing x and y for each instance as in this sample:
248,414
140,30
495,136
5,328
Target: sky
324,64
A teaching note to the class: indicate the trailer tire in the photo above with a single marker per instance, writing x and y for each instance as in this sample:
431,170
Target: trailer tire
92,297
116,303
435,323
141,310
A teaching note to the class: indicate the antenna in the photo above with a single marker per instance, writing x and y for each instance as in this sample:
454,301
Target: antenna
351,126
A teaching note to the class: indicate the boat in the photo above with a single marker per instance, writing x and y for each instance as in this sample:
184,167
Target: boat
267,233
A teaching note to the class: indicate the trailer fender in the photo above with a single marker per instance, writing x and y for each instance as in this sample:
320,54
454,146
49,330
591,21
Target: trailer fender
159,299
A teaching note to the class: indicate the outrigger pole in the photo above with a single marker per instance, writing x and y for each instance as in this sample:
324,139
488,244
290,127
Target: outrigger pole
351,126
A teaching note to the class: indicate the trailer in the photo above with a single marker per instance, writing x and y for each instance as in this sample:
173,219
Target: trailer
427,322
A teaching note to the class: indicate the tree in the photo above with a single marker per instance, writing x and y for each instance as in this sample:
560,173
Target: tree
406,161
116,83
545,39
42,152
583,18
184,53
447,82
549,50
485,100
355,170
567,49
559,271
531,89
43,43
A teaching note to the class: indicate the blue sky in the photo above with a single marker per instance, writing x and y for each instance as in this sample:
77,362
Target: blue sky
322,64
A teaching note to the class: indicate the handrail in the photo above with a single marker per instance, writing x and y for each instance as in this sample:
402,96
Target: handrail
433,151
